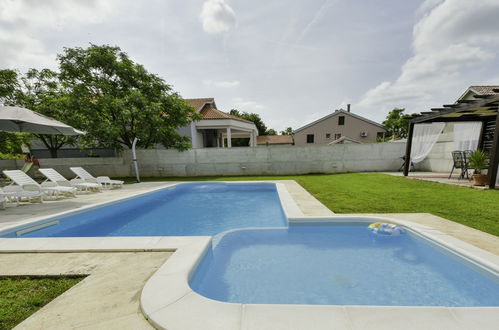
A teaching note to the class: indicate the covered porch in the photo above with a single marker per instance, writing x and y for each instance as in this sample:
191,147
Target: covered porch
474,126
218,133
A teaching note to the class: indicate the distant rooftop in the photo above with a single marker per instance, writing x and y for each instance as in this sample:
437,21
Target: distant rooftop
208,109
485,90
198,104
274,139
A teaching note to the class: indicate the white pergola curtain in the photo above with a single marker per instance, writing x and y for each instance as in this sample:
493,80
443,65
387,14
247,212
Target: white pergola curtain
423,139
466,135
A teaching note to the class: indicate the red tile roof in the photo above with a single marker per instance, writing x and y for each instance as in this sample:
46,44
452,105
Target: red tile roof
198,104
210,112
208,109
274,139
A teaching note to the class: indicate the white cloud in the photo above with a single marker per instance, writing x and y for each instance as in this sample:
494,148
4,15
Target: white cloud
22,20
217,17
452,38
222,84
247,105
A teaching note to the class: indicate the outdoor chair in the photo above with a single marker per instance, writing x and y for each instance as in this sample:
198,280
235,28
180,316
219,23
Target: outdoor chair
27,167
27,183
55,177
411,167
15,194
105,181
467,154
459,162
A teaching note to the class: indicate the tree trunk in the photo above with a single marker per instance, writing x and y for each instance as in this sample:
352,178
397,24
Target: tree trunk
53,152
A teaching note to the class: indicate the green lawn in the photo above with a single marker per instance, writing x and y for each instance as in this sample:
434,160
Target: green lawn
382,193
22,296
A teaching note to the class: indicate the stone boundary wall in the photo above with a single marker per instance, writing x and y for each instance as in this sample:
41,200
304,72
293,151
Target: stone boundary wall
274,160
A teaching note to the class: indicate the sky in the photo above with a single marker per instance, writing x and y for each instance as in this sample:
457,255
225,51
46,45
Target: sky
292,62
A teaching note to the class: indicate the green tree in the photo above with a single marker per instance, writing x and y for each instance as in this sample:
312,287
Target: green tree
8,85
397,123
10,143
41,91
255,118
117,99
270,131
287,131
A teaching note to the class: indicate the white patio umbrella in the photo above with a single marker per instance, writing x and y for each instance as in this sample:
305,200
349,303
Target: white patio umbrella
17,119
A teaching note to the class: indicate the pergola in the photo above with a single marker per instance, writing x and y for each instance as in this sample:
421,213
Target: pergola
483,108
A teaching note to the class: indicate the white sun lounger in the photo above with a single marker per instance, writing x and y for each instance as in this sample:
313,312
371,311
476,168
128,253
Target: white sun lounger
55,177
16,194
105,181
48,188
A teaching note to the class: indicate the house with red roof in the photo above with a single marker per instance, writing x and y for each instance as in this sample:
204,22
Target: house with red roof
216,128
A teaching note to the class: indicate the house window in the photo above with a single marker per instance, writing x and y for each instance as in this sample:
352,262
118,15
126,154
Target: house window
337,136
328,135
341,120
310,138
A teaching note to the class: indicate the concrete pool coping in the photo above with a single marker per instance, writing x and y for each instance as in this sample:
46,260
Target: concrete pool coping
187,310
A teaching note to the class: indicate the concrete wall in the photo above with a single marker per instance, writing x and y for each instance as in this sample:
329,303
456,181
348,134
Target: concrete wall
73,153
275,160
114,166
439,159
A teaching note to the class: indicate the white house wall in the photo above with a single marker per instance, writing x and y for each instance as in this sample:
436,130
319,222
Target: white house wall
352,128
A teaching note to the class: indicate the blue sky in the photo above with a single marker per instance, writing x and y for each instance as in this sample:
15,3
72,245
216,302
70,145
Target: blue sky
290,61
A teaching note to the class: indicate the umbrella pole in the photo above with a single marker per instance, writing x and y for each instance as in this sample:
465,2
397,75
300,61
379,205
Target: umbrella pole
134,159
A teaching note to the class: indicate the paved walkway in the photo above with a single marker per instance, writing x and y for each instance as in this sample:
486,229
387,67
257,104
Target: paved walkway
439,177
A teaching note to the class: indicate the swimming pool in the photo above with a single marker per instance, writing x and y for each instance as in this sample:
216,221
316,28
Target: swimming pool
189,209
339,264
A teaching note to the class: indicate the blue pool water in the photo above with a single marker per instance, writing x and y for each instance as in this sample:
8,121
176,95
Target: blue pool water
338,264
192,209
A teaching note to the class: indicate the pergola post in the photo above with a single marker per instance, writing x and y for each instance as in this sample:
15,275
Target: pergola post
407,164
494,157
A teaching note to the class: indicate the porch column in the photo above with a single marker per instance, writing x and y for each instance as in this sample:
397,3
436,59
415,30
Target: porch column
194,136
494,157
229,137
252,139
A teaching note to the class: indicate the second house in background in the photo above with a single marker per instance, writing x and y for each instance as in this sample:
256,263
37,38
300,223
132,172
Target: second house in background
337,125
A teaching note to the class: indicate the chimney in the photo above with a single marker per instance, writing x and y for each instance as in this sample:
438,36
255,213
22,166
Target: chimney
348,107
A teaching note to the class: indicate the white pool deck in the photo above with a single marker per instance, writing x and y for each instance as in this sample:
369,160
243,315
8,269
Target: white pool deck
132,277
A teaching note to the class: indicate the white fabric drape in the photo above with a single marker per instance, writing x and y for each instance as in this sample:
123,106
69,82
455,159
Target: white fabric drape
466,135
423,139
